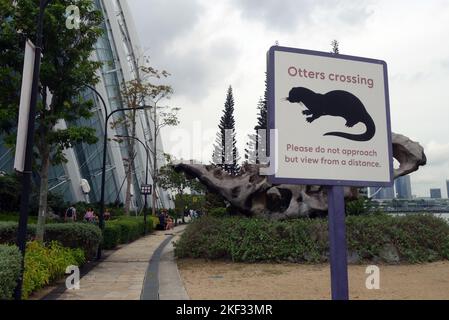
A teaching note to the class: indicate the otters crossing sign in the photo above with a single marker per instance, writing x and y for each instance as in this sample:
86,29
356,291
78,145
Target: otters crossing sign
331,118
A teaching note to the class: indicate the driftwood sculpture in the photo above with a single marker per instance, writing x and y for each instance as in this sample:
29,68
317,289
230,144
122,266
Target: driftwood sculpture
252,194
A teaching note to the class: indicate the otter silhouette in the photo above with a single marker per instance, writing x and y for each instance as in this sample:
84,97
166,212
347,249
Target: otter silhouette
337,103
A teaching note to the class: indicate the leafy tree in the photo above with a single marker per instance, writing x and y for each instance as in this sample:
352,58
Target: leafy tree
170,179
146,90
133,96
214,200
362,206
188,201
66,68
224,151
9,193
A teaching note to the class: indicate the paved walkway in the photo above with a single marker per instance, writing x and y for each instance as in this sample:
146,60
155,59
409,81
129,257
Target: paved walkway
171,286
122,275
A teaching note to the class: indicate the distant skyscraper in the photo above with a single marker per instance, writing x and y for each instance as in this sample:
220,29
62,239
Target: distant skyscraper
384,193
435,193
447,188
403,187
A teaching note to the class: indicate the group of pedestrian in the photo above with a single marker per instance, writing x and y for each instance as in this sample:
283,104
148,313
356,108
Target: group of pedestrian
192,214
165,221
89,215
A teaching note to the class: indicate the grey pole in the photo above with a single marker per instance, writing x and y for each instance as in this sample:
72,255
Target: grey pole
146,175
103,172
26,175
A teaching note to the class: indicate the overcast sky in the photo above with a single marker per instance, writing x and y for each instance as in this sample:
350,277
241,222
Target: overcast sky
209,45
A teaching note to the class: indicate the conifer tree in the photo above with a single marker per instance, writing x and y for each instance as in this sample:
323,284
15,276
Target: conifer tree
225,155
335,47
254,152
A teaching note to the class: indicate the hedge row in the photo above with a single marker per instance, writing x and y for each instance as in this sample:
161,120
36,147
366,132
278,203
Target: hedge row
124,230
43,265
10,265
381,238
4,216
73,235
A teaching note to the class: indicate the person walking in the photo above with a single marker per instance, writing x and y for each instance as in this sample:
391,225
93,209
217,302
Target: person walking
70,215
89,216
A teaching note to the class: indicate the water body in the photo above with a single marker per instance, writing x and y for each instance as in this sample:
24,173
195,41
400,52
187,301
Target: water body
444,215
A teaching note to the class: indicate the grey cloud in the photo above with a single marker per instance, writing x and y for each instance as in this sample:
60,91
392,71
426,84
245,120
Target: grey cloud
160,22
200,67
411,77
223,48
445,64
437,153
288,14
276,14
355,13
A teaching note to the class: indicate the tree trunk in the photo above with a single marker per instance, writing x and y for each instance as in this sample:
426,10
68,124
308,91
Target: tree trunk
43,194
129,178
182,204
153,193
129,181
154,175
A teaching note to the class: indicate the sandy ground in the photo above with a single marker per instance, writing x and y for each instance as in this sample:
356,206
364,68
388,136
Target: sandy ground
226,280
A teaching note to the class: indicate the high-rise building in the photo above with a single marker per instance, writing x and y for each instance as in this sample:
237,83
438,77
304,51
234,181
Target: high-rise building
380,193
435,193
119,51
403,187
447,188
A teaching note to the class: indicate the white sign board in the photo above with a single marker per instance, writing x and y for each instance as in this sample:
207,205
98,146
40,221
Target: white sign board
330,113
24,108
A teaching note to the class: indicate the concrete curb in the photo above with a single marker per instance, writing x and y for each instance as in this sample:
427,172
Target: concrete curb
162,279
150,287
171,286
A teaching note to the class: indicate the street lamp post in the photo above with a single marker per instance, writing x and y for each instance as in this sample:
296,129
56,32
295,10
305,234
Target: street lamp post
26,176
103,172
146,175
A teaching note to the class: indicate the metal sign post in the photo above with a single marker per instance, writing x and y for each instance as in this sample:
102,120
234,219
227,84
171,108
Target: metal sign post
337,243
25,164
145,189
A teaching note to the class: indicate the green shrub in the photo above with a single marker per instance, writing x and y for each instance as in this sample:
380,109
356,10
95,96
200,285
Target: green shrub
124,230
111,235
416,238
155,221
218,212
73,235
10,265
9,192
44,264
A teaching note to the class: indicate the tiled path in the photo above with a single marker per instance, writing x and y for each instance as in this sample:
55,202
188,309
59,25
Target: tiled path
121,275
